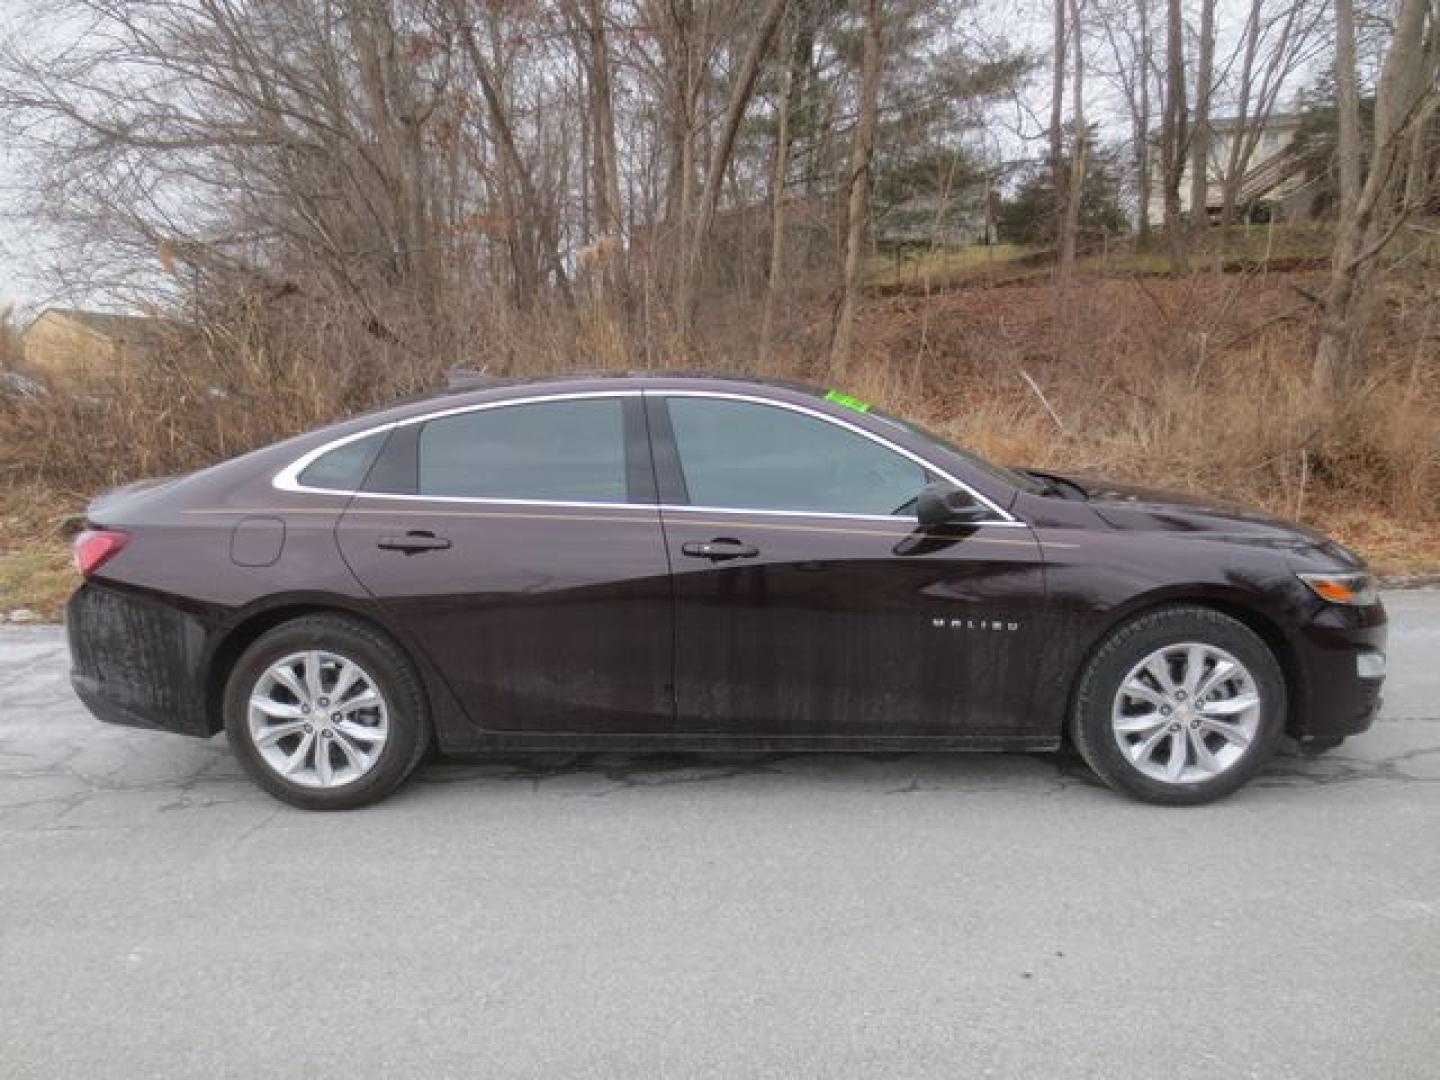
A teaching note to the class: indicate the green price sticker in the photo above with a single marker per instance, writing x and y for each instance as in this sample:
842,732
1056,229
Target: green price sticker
847,401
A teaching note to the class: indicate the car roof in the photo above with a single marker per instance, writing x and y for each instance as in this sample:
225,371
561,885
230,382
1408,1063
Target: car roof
480,386
461,379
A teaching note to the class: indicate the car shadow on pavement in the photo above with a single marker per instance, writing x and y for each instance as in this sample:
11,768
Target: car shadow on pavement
94,776
600,774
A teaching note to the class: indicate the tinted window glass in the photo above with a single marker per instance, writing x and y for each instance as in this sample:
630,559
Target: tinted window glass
572,451
750,456
999,472
344,468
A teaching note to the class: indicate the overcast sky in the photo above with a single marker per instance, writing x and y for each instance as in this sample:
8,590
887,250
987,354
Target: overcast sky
18,277
14,265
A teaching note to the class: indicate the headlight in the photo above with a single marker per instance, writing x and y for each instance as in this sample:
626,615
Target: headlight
1355,589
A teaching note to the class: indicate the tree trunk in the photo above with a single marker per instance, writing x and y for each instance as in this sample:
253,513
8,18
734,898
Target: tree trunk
1142,126
1070,225
1057,115
600,131
862,148
1403,94
1173,135
514,163
1347,99
1200,127
611,219
720,159
1234,160
681,63
1417,177
779,174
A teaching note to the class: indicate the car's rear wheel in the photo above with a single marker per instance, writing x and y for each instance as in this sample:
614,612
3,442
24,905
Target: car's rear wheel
326,713
1179,706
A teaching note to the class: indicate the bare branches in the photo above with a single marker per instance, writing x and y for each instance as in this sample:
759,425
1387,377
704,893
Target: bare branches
406,158
862,148
1376,208
740,91
1174,134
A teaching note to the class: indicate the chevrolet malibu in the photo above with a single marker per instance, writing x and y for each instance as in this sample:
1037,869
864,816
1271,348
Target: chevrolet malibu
681,563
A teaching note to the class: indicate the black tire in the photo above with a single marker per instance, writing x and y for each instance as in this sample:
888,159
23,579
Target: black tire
1128,645
397,682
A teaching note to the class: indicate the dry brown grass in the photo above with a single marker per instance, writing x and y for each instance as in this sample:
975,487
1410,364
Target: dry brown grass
1199,384
35,568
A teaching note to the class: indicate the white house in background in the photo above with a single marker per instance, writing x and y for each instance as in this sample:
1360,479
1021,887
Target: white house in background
1272,178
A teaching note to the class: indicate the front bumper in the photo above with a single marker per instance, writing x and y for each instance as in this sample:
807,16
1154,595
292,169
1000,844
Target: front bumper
1338,695
137,661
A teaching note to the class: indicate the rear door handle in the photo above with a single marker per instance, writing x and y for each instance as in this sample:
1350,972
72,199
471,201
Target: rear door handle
720,549
412,543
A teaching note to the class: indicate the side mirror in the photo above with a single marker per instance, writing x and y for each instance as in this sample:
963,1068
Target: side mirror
941,503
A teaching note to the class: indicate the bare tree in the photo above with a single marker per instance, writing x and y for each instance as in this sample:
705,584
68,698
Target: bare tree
1174,134
1368,223
1200,134
1273,46
740,93
862,148
801,44
530,207
1126,29
1347,97
1057,107
411,163
1418,177
588,17
1075,182
1140,114
226,138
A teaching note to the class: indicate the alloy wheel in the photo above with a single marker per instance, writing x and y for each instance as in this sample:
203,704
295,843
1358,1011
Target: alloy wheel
318,719
1186,713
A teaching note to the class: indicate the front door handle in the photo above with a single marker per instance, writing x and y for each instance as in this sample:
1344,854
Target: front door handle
412,543
720,549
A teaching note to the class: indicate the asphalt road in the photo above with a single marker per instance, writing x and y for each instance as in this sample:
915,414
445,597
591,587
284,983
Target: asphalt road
780,916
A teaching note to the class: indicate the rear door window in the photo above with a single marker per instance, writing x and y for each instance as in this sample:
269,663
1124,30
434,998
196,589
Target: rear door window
551,451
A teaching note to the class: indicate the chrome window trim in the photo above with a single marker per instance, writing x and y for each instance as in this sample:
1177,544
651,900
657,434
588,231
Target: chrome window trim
685,508
489,500
1006,518
287,479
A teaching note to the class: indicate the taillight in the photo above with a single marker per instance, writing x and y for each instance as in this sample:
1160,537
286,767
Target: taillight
95,547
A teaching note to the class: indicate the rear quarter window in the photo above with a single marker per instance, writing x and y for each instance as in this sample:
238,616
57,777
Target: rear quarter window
344,468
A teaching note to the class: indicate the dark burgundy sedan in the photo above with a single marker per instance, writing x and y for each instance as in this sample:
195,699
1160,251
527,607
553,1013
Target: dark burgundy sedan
680,563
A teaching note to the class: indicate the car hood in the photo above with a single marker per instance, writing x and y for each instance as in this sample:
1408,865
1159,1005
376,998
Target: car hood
1135,507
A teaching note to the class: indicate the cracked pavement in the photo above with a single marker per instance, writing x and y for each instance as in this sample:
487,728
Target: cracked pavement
761,915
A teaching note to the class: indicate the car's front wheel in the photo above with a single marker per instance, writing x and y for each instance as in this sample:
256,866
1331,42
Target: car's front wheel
326,713
1179,706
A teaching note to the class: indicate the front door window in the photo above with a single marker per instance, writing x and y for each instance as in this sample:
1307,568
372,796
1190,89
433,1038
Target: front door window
746,455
